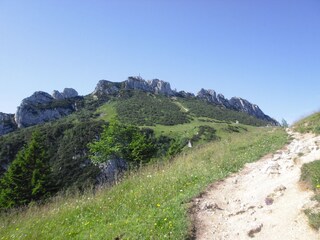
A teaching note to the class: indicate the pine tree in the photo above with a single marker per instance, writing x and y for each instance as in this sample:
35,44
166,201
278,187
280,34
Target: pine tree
27,177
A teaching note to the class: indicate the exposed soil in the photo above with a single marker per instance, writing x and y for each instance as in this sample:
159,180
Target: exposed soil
263,201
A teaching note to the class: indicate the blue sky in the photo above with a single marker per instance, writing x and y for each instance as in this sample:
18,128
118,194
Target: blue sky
267,51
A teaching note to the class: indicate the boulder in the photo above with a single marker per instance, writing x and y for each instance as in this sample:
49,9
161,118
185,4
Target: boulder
111,171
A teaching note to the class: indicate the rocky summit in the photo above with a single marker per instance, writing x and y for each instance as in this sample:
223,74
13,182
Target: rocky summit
157,86
42,107
235,103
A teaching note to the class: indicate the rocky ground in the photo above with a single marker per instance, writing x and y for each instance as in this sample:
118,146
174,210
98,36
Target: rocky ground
263,201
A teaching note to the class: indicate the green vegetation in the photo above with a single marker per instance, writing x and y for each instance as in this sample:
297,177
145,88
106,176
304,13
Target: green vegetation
66,143
27,177
147,109
204,109
309,124
149,204
107,111
123,141
310,174
149,131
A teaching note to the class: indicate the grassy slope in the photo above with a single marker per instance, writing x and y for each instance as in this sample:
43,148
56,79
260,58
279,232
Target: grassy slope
150,204
310,173
309,124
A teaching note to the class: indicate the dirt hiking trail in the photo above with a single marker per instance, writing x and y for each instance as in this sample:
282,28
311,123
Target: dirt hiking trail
262,201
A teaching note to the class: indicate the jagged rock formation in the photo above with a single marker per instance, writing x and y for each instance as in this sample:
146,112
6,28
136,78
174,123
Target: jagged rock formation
235,103
155,86
42,107
7,123
105,87
243,105
67,93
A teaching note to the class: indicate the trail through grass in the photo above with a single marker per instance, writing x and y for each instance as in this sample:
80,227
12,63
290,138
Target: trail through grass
149,204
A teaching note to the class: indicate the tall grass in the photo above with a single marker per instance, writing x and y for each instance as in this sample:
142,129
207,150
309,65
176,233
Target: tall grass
310,172
149,204
309,124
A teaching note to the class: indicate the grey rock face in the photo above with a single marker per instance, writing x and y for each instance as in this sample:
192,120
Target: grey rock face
243,105
208,95
185,94
7,123
160,87
238,104
223,101
40,108
57,95
137,83
105,87
67,93
155,86
111,171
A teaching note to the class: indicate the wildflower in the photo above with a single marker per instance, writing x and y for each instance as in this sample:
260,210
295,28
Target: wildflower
158,205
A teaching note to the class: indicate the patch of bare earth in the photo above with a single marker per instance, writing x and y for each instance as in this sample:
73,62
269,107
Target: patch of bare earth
262,201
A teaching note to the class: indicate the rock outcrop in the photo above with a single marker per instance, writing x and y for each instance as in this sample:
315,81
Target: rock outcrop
7,123
105,87
67,93
235,103
111,171
42,107
154,86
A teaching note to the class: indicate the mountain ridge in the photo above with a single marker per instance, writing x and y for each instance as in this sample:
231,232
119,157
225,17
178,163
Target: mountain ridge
42,107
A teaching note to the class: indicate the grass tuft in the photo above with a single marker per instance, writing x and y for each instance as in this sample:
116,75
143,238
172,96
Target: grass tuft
310,174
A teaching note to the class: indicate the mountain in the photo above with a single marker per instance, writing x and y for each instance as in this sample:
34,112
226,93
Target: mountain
42,107
163,121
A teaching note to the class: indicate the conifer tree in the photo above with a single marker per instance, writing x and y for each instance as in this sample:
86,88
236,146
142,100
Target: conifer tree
27,177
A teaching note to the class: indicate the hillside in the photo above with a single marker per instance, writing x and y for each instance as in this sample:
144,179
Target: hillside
42,107
65,143
65,117
149,204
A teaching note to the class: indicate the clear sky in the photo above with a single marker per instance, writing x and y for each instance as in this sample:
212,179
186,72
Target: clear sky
267,51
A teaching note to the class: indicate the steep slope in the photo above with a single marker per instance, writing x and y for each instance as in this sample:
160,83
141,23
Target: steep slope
148,204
